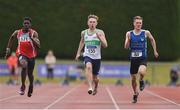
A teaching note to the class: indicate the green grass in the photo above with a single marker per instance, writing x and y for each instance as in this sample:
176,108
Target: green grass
157,73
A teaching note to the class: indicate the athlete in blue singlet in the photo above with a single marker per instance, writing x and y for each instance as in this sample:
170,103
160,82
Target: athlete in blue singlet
136,41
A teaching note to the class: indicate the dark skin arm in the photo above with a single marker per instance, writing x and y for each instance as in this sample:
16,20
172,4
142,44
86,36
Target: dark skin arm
35,39
10,43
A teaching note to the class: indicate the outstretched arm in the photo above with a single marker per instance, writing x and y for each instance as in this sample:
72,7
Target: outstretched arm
102,38
127,41
153,43
10,43
81,45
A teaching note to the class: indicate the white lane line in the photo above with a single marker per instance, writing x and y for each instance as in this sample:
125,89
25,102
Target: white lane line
163,98
109,102
112,98
60,98
14,96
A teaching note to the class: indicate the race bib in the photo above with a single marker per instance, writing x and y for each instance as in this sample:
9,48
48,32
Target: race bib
136,54
92,49
24,38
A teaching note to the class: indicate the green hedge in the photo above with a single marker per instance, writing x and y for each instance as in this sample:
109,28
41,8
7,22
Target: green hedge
59,23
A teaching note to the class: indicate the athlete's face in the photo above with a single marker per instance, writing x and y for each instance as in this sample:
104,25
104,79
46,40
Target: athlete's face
26,24
138,24
92,23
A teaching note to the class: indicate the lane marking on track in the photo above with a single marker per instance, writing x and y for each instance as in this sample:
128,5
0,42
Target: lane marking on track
109,102
161,97
112,98
61,98
10,97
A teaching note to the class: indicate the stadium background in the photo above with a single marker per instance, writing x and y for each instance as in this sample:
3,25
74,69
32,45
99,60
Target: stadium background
60,22
57,20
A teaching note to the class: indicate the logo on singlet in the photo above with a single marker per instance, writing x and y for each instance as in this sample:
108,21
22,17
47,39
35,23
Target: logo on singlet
142,39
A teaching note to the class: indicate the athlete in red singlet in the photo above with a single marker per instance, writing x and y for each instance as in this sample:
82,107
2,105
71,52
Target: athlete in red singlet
26,46
28,43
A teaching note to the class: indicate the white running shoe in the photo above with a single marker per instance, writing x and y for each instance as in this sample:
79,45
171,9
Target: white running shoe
90,90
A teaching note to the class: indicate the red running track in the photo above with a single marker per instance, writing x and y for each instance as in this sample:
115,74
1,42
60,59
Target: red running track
54,96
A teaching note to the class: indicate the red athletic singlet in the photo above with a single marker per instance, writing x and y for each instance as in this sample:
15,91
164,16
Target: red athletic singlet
25,44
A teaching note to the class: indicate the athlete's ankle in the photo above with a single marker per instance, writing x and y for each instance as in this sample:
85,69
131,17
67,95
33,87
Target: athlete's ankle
23,85
135,93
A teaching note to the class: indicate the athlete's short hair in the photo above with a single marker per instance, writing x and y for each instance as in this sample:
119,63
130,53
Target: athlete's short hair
27,18
93,16
137,17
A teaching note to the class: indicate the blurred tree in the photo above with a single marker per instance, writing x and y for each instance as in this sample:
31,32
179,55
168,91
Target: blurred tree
59,23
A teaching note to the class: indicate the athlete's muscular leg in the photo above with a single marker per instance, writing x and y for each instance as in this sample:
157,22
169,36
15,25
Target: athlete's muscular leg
96,81
23,64
134,83
23,76
88,71
142,71
31,64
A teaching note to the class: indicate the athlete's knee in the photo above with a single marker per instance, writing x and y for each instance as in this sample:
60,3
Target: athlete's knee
30,72
23,63
30,75
88,67
31,78
95,78
133,78
142,69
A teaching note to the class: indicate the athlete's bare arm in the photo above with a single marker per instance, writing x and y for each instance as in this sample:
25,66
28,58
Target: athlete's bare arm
81,45
36,40
153,43
102,38
10,43
127,40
